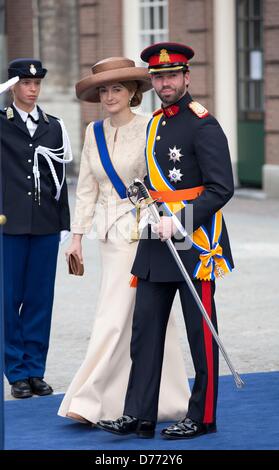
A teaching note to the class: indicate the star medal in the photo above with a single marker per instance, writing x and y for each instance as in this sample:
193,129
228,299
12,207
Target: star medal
175,154
175,175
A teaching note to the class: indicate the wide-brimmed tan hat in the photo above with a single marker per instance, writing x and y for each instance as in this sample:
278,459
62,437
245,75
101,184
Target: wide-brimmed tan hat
113,69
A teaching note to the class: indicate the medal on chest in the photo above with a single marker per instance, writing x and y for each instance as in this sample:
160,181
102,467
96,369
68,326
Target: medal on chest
175,154
175,174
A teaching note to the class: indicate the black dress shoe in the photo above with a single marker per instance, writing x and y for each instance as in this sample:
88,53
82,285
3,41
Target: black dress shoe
39,386
21,389
146,429
128,425
187,429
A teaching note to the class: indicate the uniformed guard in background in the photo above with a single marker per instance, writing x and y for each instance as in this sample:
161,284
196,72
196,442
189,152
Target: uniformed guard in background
34,146
189,170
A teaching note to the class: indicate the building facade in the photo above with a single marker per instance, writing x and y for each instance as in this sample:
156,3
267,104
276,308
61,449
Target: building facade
234,72
48,29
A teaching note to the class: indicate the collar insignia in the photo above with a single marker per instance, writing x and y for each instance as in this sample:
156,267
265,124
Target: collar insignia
33,69
171,110
164,56
45,117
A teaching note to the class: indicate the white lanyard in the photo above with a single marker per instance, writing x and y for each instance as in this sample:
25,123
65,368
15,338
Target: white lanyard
58,155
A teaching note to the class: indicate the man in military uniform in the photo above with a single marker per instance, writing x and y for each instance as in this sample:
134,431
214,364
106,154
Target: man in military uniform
35,202
189,170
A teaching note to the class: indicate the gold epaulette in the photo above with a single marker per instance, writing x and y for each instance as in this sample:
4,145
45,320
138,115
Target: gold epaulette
198,109
157,111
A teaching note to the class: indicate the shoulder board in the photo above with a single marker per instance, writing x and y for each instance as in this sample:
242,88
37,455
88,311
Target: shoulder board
198,109
157,111
51,116
9,113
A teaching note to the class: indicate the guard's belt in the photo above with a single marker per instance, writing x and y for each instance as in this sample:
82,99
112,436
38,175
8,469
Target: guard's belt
177,195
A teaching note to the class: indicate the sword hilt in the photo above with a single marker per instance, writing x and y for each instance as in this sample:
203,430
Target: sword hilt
141,188
138,190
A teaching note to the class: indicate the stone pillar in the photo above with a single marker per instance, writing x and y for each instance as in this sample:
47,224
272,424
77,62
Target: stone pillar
131,28
225,93
271,58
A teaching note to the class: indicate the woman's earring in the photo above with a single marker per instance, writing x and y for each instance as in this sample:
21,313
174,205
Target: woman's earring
130,100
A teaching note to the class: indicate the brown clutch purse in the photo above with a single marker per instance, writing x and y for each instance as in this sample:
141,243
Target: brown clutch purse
75,266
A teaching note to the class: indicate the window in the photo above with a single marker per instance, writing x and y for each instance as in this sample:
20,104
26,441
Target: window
153,28
250,57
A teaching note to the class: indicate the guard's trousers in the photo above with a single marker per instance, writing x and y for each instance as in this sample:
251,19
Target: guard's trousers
152,309
29,275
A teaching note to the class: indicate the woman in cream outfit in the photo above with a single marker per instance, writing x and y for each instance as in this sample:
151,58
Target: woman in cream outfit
99,386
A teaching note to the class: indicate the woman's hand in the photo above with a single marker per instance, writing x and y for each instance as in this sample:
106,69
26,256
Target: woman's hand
75,247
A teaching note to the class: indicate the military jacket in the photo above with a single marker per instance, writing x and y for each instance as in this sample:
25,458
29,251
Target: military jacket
23,212
205,161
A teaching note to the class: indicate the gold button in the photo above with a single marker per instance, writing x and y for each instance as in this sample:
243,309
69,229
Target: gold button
29,193
3,219
30,145
158,137
28,177
29,160
164,123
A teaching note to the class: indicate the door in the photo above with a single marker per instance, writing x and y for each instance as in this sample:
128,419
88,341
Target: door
250,91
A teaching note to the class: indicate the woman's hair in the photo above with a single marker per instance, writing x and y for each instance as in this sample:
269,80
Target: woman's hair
133,87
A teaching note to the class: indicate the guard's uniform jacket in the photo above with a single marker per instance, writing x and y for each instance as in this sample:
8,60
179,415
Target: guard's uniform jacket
24,214
205,161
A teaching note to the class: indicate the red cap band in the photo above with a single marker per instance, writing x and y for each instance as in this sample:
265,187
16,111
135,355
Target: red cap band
170,58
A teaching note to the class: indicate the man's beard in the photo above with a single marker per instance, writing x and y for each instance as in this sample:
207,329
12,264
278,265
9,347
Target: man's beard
173,98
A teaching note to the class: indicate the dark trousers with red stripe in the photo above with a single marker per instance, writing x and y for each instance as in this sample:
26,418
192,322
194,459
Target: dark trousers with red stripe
153,305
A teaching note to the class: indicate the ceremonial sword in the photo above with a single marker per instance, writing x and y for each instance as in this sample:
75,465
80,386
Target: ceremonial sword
139,191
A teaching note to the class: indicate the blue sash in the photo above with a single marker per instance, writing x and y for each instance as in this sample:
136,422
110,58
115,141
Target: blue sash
106,161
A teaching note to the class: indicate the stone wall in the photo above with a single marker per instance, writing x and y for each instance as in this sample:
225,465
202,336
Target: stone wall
190,22
271,76
48,30
100,27
19,25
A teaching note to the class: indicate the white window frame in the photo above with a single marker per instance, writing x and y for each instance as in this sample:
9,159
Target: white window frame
138,34
150,34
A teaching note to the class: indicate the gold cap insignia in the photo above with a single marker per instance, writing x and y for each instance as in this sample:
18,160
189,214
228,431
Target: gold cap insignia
33,69
164,56
10,113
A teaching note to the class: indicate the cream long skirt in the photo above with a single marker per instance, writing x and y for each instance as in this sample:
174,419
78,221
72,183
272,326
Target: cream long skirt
98,389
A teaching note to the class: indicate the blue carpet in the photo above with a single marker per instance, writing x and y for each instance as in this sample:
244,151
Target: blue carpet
247,420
